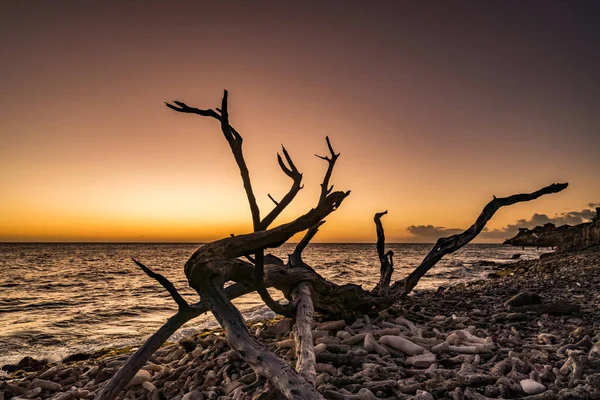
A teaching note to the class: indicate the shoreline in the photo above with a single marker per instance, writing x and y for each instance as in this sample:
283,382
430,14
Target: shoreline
549,337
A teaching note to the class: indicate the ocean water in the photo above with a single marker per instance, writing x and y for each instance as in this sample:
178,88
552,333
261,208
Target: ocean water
57,299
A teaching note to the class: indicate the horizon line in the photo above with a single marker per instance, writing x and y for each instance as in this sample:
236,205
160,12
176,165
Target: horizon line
190,242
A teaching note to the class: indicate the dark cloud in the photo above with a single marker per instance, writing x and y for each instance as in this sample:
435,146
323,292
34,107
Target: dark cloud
568,218
593,205
431,232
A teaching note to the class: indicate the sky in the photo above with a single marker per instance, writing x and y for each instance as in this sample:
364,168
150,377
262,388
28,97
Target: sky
435,107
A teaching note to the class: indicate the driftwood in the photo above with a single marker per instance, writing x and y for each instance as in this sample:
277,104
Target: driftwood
218,262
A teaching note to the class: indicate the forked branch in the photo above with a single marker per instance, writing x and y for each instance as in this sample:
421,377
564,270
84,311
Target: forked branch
296,256
291,171
235,141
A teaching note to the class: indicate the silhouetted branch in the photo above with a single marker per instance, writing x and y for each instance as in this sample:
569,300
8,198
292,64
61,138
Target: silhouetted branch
296,256
452,243
272,199
235,143
296,176
259,283
295,259
385,259
181,302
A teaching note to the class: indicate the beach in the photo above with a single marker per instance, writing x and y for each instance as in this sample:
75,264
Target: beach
528,330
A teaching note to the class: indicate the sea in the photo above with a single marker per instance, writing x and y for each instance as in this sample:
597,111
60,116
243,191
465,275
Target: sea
58,299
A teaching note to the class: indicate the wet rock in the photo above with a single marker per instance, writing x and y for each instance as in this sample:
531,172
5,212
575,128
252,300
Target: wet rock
77,357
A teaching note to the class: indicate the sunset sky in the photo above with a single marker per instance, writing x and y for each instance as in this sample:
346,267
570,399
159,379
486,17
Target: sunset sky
435,106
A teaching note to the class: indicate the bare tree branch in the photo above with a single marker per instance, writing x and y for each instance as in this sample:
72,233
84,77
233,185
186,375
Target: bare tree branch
385,259
452,243
259,282
235,143
263,362
181,302
305,351
272,199
138,359
296,176
296,257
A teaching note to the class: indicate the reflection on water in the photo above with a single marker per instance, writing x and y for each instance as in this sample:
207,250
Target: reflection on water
56,299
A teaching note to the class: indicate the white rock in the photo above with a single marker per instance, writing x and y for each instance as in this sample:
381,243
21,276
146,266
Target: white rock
140,377
402,344
532,387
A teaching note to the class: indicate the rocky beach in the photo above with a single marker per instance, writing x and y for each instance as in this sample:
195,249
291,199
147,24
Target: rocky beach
531,330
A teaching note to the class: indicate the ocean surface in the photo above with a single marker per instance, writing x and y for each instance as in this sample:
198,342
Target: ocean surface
58,299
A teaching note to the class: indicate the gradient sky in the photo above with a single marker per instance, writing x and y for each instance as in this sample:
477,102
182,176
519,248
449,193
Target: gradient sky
435,106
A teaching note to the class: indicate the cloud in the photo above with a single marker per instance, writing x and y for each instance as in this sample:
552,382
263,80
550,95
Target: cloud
593,205
429,232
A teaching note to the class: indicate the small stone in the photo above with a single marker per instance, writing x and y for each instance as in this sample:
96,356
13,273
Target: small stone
50,373
33,393
140,377
422,395
421,361
63,396
402,344
342,335
320,348
281,327
193,395
530,386
46,385
332,325
148,386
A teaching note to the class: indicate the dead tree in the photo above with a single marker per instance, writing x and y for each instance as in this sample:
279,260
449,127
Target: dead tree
218,262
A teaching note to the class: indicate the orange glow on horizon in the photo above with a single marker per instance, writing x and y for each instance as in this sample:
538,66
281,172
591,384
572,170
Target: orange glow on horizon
432,116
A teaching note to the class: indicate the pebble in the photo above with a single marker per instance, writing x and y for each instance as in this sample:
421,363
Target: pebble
140,377
530,386
402,344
